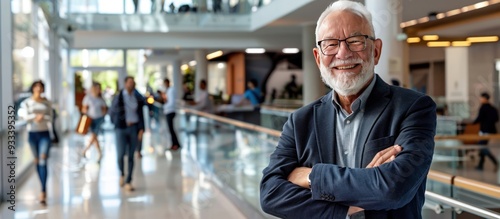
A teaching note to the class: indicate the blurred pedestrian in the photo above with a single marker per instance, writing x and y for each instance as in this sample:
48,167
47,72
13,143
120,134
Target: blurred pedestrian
487,117
94,107
169,111
127,116
37,112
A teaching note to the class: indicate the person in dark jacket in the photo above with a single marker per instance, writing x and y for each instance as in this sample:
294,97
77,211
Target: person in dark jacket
487,117
127,115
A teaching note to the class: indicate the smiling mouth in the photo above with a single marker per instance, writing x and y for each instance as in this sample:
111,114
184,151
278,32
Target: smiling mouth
346,67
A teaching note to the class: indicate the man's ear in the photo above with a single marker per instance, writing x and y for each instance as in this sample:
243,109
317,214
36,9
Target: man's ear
377,50
317,56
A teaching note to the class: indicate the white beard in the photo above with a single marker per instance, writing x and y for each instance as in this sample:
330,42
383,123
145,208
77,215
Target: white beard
347,83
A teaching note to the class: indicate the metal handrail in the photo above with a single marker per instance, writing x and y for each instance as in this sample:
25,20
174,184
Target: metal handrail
481,212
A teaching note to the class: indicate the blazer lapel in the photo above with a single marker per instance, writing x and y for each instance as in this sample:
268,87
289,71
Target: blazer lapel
377,101
324,125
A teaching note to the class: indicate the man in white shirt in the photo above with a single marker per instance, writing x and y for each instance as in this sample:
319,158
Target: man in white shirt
202,101
169,111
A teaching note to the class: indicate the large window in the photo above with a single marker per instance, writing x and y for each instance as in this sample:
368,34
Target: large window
97,58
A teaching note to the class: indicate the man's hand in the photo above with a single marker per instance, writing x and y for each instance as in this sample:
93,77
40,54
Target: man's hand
299,176
354,209
385,156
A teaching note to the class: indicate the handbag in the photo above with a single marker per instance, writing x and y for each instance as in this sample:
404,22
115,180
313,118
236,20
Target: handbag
83,124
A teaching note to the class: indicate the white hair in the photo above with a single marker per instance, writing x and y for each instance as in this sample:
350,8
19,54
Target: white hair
346,5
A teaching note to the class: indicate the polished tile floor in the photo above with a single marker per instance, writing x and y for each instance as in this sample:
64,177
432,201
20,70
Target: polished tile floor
168,185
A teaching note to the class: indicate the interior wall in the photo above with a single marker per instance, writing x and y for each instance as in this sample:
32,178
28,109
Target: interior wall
235,74
257,67
439,79
421,54
281,76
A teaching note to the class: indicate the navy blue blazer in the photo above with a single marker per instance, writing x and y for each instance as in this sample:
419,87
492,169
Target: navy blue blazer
393,115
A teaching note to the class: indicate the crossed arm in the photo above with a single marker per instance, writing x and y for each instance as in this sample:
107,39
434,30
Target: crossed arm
300,175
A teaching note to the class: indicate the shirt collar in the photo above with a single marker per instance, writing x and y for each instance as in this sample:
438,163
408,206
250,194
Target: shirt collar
125,92
360,102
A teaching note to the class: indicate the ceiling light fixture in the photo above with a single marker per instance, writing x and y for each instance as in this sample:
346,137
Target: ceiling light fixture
430,37
290,50
215,54
192,63
255,50
438,44
423,20
453,12
440,15
481,4
413,40
482,39
460,43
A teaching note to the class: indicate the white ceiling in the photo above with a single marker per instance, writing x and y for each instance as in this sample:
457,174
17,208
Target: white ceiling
289,27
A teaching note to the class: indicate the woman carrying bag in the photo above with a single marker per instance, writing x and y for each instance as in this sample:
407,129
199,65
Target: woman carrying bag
94,107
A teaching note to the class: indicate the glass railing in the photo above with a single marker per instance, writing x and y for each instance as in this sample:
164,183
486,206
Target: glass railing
236,153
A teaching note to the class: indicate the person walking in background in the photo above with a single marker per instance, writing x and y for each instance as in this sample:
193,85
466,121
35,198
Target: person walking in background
94,107
217,6
136,6
487,117
153,6
127,115
171,7
37,112
169,97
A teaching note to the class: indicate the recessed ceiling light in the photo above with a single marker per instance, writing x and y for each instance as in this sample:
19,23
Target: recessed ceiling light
255,50
290,50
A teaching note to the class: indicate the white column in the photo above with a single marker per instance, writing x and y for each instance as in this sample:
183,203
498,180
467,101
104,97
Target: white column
139,78
54,67
177,78
201,68
386,17
457,83
6,104
313,86
123,73
163,72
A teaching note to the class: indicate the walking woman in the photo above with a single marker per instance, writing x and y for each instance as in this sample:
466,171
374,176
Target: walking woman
37,112
95,107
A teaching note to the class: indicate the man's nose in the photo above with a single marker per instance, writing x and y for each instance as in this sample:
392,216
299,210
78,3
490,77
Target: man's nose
344,51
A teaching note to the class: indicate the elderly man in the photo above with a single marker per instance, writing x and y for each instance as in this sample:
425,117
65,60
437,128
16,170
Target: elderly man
361,151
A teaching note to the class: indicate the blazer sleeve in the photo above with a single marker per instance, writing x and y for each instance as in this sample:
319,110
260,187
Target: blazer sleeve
114,109
283,199
391,185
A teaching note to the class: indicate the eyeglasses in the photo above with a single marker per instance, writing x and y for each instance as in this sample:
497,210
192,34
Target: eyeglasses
330,47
